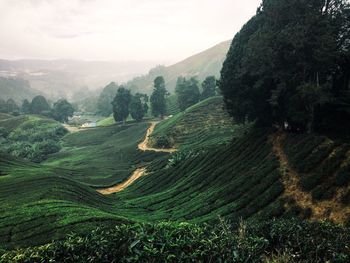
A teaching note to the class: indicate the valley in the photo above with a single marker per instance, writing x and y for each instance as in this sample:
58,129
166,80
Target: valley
239,153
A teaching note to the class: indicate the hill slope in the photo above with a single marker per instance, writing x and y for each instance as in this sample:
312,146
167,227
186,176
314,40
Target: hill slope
16,89
260,175
208,62
203,124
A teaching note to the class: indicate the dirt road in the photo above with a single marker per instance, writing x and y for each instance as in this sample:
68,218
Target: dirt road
138,172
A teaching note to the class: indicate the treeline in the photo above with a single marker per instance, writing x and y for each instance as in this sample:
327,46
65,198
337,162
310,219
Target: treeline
119,101
290,66
60,110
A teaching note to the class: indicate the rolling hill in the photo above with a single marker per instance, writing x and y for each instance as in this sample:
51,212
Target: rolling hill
201,65
17,89
261,174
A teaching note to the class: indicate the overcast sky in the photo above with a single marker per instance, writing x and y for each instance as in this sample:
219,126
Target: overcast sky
157,30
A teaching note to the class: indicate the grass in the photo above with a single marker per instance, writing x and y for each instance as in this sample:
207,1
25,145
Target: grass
106,121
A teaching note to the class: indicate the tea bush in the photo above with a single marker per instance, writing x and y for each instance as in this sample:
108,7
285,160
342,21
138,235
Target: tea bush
183,242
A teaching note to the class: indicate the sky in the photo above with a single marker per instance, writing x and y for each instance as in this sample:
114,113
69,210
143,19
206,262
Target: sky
118,30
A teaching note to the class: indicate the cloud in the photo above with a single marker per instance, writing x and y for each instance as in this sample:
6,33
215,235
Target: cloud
118,29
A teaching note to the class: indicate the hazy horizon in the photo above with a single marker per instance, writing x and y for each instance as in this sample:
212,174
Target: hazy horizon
106,30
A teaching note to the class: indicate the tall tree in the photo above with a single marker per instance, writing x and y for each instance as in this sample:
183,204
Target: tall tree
290,62
104,106
138,106
121,104
158,97
208,87
3,107
25,108
39,105
11,106
187,92
62,109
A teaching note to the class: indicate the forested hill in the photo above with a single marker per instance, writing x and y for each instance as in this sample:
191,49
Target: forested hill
201,65
16,89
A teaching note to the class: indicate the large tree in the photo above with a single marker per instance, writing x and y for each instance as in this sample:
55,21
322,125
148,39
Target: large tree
158,97
187,92
138,106
104,106
62,109
39,105
121,104
208,87
11,106
289,63
25,108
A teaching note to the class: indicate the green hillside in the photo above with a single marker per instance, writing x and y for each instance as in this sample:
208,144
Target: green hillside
203,124
103,156
30,137
16,89
39,203
260,175
203,64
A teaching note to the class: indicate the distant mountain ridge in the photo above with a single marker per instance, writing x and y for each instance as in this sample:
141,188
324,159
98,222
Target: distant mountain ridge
201,65
73,78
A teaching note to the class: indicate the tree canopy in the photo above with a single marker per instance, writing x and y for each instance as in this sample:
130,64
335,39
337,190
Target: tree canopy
138,106
121,104
158,97
39,105
62,109
208,87
104,106
187,92
290,63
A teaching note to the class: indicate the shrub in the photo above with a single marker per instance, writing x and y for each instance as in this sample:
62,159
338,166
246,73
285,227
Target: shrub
183,242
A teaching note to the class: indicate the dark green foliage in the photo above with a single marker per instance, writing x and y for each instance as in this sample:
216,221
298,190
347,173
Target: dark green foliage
8,106
208,87
33,138
158,97
62,109
290,63
25,108
183,242
16,88
104,106
343,176
3,107
39,105
203,124
187,92
138,106
163,141
121,104
171,105
11,106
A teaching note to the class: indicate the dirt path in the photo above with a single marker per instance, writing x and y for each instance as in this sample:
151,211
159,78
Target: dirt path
138,172
70,128
329,209
119,187
143,145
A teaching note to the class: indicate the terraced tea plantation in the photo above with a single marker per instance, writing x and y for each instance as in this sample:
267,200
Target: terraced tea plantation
243,173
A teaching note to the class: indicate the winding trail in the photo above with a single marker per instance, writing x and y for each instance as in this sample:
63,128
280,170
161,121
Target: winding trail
143,146
332,209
